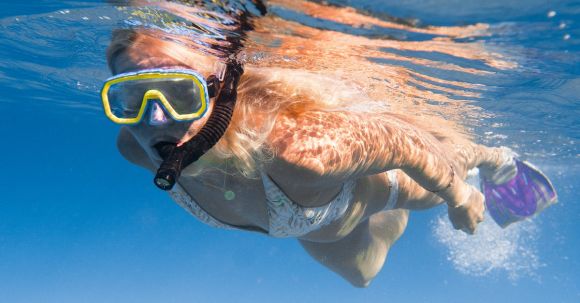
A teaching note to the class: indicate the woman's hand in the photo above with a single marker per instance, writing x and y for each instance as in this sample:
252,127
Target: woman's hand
466,216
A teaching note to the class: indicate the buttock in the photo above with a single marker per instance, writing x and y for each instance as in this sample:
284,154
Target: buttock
372,194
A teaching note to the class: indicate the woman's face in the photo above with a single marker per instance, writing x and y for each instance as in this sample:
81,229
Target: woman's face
156,125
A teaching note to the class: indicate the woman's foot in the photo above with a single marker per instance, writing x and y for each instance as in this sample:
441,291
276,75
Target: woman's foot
515,190
504,171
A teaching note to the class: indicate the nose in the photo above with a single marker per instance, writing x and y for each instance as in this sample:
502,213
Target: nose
157,116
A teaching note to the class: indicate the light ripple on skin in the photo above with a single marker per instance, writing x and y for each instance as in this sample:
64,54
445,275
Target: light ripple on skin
492,250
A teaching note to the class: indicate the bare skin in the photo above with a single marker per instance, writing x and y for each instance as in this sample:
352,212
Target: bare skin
316,153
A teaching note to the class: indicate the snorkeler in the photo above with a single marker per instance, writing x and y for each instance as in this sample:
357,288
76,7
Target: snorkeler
243,147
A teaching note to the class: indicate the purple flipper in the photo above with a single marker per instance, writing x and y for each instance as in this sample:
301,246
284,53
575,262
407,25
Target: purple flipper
526,194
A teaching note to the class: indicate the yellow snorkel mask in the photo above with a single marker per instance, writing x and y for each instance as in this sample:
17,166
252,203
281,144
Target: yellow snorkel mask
184,94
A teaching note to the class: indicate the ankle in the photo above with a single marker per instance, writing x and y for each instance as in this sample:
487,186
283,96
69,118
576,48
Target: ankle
503,170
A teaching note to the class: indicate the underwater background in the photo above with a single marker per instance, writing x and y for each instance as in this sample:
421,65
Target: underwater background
80,224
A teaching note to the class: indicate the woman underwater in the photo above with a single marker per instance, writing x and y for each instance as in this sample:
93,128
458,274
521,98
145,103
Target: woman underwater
288,152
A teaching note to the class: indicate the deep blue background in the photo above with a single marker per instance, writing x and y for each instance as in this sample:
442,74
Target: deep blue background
80,224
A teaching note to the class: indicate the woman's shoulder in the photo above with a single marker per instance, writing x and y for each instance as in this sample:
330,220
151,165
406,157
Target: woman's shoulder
304,150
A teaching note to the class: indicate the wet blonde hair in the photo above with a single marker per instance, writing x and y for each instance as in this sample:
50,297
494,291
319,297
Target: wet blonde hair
262,97
264,94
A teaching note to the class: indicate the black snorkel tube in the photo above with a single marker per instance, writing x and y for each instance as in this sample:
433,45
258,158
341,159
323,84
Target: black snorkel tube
176,158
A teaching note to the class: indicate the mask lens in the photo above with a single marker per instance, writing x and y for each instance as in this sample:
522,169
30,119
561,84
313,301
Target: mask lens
125,100
183,94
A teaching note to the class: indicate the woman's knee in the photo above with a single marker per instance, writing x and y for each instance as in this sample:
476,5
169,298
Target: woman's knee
360,256
360,268
362,279
357,257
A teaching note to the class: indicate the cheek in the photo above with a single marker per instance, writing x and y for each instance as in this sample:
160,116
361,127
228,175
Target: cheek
194,127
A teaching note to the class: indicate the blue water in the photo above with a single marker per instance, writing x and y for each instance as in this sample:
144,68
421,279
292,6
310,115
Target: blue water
80,224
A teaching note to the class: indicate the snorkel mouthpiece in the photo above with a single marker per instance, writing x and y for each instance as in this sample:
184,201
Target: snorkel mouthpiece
175,158
169,170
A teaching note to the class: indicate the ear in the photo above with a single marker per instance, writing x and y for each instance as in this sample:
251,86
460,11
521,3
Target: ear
131,150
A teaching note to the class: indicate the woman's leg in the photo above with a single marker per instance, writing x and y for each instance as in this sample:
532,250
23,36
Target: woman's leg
359,256
472,155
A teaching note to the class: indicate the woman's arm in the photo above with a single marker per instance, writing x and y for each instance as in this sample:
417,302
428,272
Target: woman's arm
324,149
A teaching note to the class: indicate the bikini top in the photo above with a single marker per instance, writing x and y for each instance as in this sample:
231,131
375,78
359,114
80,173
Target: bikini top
286,218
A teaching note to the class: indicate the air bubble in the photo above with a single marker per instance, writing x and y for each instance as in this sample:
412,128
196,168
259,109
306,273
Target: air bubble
562,25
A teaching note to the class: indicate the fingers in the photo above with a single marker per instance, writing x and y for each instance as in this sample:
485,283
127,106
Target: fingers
469,226
467,217
479,218
468,231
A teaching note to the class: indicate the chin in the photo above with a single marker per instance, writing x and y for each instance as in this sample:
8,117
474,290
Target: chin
192,171
206,163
